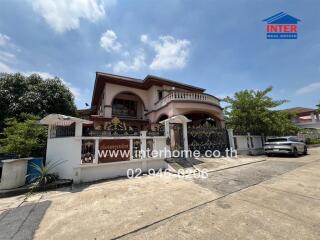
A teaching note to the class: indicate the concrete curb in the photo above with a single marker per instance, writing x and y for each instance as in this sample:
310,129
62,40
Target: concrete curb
28,188
313,146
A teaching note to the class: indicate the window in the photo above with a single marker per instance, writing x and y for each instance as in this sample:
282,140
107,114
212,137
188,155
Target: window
277,140
160,94
124,108
87,151
136,145
293,139
149,147
62,131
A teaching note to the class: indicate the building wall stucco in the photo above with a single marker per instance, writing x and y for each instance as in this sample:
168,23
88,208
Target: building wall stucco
150,97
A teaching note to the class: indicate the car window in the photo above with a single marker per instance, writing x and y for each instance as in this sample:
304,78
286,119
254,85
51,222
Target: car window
277,140
293,139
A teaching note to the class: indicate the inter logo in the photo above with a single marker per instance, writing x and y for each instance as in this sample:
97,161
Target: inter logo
282,26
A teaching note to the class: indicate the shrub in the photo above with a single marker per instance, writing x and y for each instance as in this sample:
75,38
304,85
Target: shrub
24,137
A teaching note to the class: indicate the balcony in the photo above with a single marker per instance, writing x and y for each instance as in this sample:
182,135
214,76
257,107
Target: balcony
187,96
308,124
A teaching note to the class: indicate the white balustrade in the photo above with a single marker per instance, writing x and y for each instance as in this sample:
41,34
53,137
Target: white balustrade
186,96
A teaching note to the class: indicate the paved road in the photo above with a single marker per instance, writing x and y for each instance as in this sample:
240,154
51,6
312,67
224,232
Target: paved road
235,179
275,199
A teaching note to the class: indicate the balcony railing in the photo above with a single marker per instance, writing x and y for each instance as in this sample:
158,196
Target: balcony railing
187,96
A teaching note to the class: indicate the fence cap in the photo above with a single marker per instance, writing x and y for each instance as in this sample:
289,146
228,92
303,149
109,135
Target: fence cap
15,160
62,120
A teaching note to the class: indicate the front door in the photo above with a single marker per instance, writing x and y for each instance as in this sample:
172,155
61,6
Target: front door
176,136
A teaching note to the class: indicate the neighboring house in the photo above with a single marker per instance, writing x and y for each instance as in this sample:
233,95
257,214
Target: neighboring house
141,104
305,117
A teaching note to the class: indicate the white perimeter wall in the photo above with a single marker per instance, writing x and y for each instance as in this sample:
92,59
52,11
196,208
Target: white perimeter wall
248,144
68,150
93,172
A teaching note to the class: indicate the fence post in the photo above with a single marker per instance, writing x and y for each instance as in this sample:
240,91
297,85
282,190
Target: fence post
78,130
167,129
262,139
96,151
231,139
249,141
131,149
143,141
185,138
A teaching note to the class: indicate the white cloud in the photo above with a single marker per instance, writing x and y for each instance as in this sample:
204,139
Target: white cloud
64,15
109,42
313,87
134,64
7,56
5,68
144,38
45,75
171,53
4,40
75,91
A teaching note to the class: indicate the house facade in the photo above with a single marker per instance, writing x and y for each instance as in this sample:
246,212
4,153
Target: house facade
142,104
135,124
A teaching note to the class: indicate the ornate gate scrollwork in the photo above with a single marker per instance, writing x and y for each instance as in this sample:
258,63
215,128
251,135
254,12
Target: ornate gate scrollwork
206,137
114,128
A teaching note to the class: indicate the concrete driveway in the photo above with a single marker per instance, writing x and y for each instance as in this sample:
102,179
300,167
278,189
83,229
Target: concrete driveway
275,199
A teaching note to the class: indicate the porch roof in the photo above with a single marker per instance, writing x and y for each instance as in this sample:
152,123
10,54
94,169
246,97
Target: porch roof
177,119
62,120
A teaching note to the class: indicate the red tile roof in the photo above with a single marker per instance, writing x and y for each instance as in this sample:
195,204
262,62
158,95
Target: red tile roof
300,110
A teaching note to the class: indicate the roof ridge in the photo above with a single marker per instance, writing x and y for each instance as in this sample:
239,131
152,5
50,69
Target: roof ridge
275,16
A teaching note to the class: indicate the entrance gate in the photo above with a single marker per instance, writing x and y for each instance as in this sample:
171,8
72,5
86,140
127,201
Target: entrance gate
206,137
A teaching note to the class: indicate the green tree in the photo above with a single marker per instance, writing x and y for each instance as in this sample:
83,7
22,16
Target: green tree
33,95
25,137
253,111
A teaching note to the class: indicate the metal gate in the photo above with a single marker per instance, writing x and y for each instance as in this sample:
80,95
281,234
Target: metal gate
206,137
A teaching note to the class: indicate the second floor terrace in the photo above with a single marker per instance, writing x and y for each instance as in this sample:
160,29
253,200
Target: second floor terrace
187,97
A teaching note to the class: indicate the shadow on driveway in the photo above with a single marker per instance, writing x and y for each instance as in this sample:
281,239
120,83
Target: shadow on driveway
22,222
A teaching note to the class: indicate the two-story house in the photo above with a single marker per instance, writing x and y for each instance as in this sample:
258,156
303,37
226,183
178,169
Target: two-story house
305,117
143,103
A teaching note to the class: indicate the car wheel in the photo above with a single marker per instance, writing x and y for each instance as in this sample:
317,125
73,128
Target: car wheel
269,154
305,152
295,152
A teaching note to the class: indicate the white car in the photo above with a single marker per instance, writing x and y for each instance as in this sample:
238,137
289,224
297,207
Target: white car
285,145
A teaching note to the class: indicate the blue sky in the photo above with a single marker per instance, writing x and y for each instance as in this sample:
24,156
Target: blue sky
217,45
